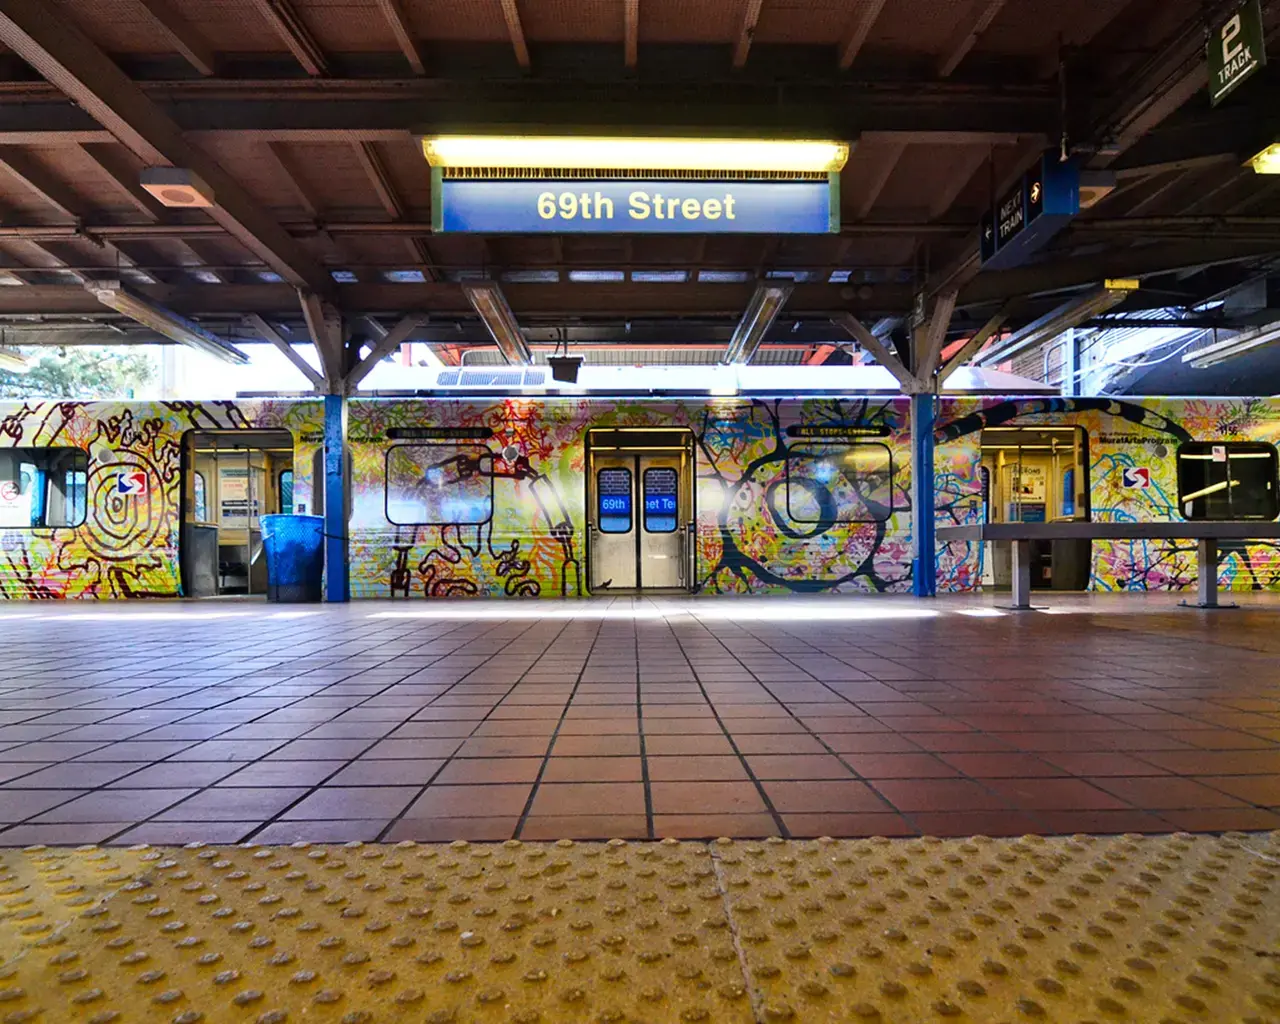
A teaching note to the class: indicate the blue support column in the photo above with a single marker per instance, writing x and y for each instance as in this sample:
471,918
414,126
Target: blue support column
337,575
924,582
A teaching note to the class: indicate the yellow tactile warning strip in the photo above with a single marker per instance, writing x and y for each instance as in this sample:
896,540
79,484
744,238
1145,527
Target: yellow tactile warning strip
1161,929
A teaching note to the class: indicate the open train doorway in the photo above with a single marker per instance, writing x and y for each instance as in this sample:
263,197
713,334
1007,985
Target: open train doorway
640,510
230,479
1039,475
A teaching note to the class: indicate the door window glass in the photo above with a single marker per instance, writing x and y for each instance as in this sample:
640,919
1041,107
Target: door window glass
1227,480
201,499
661,502
286,490
43,487
613,500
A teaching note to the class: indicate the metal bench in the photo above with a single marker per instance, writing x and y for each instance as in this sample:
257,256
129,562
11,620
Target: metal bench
1207,535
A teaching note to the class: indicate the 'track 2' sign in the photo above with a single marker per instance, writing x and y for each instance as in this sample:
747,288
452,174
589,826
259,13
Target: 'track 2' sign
630,206
1236,50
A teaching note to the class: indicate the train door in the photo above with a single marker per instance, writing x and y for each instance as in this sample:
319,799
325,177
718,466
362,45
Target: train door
640,510
1040,475
230,480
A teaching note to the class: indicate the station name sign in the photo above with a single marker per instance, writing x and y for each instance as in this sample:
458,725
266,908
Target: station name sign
1027,216
613,206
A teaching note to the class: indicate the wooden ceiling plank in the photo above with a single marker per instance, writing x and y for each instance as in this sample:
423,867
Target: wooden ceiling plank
886,158
400,28
856,35
746,31
106,157
185,39
68,59
376,171
963,168
515,29
18,163
293,32
982,15
631,32
288,168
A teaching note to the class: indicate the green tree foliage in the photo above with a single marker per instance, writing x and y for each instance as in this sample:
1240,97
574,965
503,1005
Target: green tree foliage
81,372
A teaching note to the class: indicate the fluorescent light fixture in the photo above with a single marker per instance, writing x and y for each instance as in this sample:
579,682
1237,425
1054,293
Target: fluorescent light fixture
14,362
487,300
1266,162
1212,489
1070,314
765,305
1220,352
163,321
638,154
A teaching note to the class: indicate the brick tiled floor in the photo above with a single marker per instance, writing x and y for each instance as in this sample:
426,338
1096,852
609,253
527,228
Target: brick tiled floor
219,721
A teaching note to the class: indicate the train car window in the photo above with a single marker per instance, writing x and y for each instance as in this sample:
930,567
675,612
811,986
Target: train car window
201,498
439,485
661,500
46,487
613,500
840,483
1227,480
285,486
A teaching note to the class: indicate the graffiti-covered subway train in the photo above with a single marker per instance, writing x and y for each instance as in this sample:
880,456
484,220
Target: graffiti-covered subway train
536,495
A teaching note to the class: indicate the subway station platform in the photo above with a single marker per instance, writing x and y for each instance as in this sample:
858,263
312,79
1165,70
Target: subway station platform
221,722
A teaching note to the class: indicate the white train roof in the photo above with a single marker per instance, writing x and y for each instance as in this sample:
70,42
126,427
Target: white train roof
391,380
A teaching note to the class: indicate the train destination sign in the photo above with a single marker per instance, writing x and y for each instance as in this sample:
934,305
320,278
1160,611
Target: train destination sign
633,206
1236,50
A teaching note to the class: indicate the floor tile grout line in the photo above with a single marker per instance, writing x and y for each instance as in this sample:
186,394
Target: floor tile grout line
153,818
644,757
454,756
555,733
733,744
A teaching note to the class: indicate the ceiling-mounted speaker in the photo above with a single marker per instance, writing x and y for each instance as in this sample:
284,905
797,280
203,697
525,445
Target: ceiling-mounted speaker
177,187
565,368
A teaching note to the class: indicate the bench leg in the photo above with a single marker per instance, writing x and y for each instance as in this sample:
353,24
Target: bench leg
1207,579
1021,574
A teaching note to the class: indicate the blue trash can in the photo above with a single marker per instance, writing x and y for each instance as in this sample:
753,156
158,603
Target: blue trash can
294,547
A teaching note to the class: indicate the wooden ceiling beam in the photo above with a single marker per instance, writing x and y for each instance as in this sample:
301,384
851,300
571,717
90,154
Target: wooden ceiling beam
288,168
976,22
106,157
885,158
857,32
631,31
746,31
64,55
376,171
400,28
515,29
18,164
962,169
293,32
182,35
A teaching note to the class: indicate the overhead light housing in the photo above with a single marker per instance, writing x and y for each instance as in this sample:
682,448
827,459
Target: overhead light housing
487,300
177,187
632,153
1266,162
565,368
765,305
163,321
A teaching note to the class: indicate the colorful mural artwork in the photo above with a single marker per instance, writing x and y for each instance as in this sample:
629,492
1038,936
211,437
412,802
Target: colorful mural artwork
524,533
485,497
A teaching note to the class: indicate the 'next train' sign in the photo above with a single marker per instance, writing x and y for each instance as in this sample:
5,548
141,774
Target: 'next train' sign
607,206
